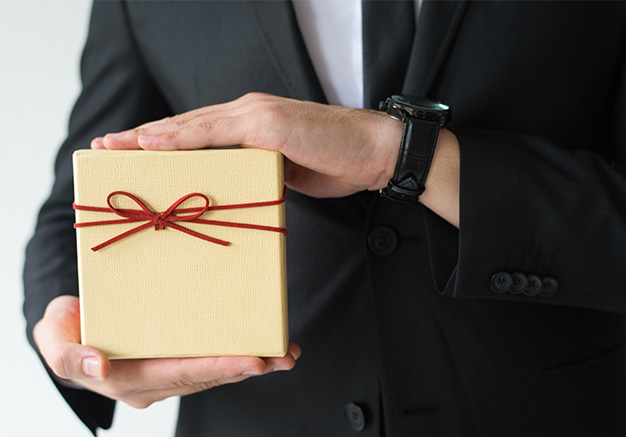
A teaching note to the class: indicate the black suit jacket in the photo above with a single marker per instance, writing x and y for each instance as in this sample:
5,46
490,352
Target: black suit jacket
413,333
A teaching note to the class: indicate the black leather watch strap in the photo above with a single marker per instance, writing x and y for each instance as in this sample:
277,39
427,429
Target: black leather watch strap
419,138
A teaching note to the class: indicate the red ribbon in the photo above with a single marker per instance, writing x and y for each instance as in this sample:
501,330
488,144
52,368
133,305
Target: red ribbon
167,218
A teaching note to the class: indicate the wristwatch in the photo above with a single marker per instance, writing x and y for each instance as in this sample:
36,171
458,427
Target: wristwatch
422,118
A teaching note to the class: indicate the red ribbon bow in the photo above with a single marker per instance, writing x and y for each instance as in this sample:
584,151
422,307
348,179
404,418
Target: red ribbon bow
167,218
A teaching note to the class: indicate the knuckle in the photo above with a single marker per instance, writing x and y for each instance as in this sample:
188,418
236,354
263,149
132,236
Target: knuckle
254,95
60,363
203,127
250,96
56,365
207,385
57,305
183,380
181,123
173,134
272,112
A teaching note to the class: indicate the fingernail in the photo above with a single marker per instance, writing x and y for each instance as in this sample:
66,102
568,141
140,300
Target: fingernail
145,137
111,136
96,143
91,367
280,369
251,372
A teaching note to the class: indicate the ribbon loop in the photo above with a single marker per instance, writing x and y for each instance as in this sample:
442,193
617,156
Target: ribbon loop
128,213
167,218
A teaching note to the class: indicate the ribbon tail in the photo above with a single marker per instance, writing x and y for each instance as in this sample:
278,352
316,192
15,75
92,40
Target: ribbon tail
121,236
198,235
107,222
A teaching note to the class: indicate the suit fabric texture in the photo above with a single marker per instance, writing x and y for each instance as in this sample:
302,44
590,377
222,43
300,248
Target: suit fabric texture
396,311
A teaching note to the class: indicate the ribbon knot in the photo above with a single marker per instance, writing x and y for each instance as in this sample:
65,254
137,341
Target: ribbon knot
160,220
158,223
169,217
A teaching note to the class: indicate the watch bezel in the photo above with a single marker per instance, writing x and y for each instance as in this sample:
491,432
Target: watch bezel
399,107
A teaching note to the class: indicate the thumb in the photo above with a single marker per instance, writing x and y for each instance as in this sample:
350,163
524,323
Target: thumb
57,336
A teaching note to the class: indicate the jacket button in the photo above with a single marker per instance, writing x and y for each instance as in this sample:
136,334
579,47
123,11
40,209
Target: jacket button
534,285
520,283
549,286
382,240
501,282
355,416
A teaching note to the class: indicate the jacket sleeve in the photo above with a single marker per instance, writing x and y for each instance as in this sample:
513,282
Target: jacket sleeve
535,209
117,94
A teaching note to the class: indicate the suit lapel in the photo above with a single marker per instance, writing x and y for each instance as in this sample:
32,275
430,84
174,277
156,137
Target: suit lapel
282,38
437,25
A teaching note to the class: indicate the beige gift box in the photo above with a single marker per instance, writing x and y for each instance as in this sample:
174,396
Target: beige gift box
208,289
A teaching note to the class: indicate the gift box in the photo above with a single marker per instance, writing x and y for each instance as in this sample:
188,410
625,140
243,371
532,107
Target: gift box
181,253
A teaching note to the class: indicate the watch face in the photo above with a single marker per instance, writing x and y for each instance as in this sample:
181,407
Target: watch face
422,108
421,104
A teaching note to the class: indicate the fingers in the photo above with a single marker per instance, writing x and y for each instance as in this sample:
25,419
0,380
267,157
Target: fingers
129,139
294,350
166,373
97,143
224,124
224,131
277,364
57,336
140,383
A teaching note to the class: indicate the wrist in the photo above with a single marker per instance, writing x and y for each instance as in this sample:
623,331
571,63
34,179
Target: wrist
442,194
388,140
443,180
422,119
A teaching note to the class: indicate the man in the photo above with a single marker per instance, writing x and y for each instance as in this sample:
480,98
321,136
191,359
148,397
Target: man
491,303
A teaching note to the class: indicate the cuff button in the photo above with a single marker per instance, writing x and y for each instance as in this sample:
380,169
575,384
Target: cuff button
549,286
520,283
501,282
534,285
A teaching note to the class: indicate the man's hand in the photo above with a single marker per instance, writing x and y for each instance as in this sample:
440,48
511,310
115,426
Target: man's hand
138,383
331,151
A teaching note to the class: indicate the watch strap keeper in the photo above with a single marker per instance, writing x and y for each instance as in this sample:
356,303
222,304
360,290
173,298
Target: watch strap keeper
419,138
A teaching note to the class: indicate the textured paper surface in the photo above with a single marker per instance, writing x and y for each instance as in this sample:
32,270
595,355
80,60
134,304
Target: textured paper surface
165,293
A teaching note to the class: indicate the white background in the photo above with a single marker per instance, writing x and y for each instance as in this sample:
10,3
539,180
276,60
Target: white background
40,45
